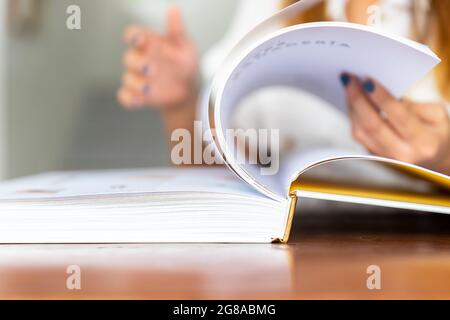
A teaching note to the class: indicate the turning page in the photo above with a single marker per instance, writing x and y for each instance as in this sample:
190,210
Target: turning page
310,57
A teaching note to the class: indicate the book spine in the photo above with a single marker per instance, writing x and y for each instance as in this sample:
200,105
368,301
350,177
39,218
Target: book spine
293,200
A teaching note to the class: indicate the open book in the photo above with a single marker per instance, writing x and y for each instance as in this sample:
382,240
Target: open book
213,205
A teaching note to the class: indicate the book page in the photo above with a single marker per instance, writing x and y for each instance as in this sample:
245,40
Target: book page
122,182
311,57
322,174
272,23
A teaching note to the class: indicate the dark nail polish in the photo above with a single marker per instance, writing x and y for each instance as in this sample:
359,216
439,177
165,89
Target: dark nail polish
146,70
369,86
345,79
146,89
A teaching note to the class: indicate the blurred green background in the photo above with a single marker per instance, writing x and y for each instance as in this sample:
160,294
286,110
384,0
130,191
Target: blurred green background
58,108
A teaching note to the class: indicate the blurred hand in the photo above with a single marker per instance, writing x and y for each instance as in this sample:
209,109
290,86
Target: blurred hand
160,69
417,133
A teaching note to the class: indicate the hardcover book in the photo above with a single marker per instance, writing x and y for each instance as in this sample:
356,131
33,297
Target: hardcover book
240,203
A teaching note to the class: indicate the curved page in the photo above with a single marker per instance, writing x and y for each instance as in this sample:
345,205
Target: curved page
420,199
309,57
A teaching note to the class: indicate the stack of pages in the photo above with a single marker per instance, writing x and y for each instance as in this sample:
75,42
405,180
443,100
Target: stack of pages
239,204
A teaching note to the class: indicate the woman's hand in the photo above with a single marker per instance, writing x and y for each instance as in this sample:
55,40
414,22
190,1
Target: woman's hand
417,133
161,69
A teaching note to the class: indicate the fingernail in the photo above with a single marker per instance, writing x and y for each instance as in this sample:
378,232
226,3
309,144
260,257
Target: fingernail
345,79
146,89
369,86
146,70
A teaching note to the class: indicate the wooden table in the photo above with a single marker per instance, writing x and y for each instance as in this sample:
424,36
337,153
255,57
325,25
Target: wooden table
328,257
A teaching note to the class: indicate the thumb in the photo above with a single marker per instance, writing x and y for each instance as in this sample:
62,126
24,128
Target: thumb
175,26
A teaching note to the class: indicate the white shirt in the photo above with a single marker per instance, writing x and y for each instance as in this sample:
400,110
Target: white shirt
278,108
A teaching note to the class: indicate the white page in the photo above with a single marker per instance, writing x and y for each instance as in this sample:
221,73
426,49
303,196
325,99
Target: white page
116,182
258,32
340,165
312,57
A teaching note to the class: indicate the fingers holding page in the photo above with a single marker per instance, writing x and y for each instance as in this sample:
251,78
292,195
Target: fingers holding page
368,126
359,105
431,113
398,113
